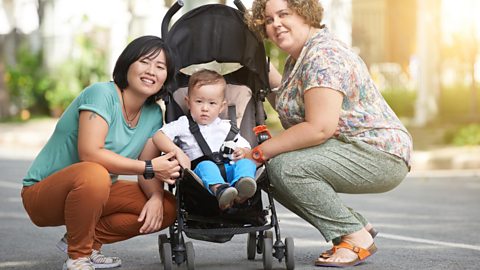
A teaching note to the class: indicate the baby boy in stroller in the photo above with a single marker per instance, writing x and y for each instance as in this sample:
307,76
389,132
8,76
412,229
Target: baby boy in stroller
202,130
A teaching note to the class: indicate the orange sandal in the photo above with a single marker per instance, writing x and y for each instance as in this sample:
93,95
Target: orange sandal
362,255
328,253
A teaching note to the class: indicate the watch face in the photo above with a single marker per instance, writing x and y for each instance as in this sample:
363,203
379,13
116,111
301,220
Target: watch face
148,175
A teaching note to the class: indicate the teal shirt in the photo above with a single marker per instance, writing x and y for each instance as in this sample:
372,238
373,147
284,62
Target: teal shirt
61,149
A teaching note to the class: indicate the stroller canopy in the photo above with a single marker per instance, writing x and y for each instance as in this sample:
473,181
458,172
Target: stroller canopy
218,33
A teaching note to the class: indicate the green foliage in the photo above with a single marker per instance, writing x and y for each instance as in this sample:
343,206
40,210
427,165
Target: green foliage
27,82
75,74
456,102
33,88
402,101
277,56
467,135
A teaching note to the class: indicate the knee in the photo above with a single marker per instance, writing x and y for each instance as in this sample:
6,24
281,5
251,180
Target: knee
275,167
283,168
206,165
246,162
91,175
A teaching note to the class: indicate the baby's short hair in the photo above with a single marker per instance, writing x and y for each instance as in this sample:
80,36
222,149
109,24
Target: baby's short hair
205,77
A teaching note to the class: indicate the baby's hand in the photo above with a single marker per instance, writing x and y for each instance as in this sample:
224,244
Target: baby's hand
239,153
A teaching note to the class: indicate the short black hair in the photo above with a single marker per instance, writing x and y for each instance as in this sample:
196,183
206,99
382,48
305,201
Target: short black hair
142,46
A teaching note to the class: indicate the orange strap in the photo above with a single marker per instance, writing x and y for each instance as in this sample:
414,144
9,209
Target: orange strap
361,252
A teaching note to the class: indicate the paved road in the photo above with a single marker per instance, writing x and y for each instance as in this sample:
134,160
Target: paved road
428,222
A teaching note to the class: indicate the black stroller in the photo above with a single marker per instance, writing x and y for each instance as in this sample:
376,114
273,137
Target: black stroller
215,36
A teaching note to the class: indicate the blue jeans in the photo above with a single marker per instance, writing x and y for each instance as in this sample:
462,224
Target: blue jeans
210,174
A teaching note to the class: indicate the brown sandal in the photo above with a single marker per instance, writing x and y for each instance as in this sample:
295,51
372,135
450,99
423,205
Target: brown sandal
362,255
326,254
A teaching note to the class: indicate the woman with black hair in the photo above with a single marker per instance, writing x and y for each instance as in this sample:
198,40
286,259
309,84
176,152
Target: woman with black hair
105,132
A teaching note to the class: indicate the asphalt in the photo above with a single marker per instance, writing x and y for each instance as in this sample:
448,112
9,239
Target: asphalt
24,140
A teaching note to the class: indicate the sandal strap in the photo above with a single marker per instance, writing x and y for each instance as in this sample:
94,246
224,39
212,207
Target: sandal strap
361,252
327,253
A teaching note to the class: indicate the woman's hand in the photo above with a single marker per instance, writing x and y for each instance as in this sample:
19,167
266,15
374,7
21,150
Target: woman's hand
166,168
152,215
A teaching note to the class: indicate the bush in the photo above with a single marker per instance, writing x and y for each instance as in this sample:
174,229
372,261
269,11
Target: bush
27,81
456,102
467,135
33,88
402,101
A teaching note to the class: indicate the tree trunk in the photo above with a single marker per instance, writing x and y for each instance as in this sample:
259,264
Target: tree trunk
428,53
4,97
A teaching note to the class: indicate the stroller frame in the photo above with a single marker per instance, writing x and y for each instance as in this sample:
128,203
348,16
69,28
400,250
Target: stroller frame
174,249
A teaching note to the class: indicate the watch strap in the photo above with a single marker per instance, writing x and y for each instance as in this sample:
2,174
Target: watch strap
148,173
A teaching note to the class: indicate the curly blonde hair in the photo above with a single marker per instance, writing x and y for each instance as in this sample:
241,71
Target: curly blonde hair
310,10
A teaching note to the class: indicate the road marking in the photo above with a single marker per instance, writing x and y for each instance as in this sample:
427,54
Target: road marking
17,263
14,199
14,215
426,241
299,223
5,184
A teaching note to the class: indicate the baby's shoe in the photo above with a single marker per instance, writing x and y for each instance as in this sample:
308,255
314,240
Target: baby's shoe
246,188
225,195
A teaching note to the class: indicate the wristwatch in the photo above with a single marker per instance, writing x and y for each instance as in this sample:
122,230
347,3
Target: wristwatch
148,173
257,155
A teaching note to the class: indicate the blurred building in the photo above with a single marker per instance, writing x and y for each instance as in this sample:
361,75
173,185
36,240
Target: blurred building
384,30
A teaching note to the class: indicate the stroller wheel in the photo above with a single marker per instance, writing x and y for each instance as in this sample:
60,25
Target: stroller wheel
289,253
267,253
190,255
266,234
162,238
251,245
167,256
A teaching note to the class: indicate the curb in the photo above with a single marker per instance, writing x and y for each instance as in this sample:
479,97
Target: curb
25,140
451,158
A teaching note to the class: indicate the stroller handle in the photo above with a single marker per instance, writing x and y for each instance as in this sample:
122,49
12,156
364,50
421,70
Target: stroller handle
240,6
168,17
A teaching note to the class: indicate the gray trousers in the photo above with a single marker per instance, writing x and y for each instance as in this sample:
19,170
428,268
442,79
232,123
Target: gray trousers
308,181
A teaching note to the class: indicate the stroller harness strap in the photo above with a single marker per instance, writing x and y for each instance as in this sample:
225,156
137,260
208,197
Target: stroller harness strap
207,152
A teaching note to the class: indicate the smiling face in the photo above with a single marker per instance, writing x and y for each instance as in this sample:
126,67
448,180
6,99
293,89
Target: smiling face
205,102
148,73
285,28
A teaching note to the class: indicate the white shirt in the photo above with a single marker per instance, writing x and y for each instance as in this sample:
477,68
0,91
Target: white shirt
214,134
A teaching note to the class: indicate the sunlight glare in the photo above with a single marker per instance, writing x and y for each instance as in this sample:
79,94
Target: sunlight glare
460,17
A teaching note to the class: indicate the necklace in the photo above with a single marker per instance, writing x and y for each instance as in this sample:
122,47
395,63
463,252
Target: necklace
129,121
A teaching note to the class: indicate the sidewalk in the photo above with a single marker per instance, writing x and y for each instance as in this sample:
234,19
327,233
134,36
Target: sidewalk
25,140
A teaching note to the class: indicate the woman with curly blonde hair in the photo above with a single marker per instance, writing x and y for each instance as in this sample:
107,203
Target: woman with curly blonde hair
340,134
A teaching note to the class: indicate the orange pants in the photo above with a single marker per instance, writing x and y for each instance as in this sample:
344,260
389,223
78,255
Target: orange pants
94,210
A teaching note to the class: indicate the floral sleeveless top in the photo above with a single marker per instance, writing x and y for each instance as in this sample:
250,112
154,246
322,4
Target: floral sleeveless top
327,62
